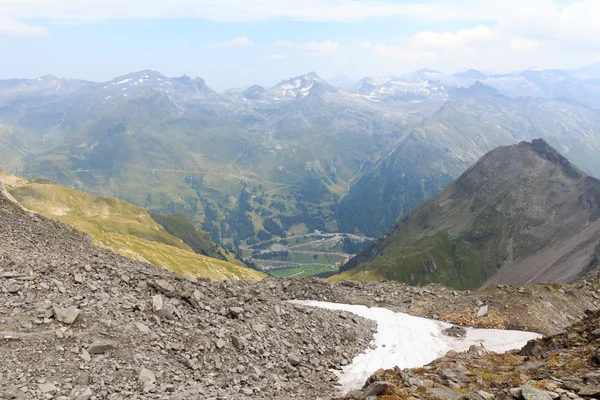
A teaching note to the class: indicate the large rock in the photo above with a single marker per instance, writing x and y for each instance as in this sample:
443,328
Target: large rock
528,392
147,379
376,389
444,393
483,311
236,312
66,315
101,347
47,388
238,342
590,391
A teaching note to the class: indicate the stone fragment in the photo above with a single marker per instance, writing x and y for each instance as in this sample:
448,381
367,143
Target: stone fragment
85,355
66,315
236,311
483,311
82,394
528,392
376,389
238,342
142,328
101,347
78,278
157,302
293,360
47,388
147,379
259,328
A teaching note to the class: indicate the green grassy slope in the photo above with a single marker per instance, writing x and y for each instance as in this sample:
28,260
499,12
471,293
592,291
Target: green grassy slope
121,227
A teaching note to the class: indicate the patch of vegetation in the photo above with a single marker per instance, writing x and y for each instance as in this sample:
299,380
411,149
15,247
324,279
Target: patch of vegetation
124,228
184,229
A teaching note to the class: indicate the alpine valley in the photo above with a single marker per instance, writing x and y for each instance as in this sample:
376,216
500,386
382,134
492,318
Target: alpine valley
262,169
134,214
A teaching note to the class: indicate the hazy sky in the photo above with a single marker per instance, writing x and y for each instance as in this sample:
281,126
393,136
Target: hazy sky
241,42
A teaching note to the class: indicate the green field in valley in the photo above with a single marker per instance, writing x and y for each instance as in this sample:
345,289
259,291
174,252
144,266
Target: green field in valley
304,271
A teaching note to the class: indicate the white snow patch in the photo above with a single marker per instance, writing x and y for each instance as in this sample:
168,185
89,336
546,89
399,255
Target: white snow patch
122,82
410,342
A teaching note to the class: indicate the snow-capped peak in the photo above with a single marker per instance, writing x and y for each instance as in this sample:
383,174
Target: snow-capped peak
298,87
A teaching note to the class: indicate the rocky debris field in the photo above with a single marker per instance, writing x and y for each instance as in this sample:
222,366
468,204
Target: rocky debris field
560,367
79,322
544,308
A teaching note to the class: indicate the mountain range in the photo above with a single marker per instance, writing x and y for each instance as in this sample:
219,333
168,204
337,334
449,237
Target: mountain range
300,156
523,214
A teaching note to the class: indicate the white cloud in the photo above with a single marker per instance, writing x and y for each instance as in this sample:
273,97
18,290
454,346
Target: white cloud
10,27
312,48
443,40
240,41
403,54
222,10
522,44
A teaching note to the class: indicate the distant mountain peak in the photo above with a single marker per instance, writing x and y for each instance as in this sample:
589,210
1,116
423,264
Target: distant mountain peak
426,74
300,86
254,92
427,70
471,73
48,77
479,89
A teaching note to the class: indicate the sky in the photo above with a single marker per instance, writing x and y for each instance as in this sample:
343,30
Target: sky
237,43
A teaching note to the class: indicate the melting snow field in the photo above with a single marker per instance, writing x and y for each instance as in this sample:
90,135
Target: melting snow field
409,342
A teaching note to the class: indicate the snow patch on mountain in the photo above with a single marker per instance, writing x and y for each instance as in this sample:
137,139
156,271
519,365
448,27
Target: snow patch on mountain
410,342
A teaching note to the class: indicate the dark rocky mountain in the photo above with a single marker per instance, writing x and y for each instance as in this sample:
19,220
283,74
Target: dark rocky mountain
522,214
